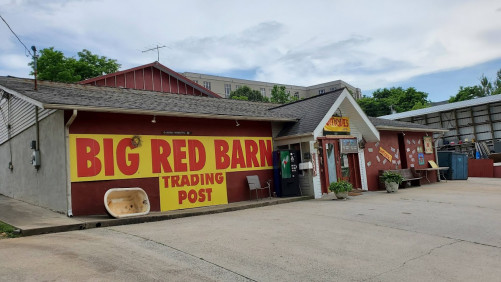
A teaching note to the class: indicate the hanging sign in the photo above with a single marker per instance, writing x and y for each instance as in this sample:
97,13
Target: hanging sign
385,154
348,146
428,147
338,124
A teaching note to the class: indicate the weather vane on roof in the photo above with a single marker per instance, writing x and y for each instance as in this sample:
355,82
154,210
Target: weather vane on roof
158,51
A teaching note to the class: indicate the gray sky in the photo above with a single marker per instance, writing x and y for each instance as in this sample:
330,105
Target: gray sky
369,44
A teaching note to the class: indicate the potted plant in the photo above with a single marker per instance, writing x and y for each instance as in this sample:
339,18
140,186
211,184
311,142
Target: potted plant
341,188
391,181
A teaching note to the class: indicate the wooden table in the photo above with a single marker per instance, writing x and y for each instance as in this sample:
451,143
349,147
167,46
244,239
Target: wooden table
425,170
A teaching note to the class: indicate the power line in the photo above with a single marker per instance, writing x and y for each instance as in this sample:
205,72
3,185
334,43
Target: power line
26,48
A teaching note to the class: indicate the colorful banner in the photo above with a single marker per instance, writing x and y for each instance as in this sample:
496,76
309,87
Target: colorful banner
385,154
338,124
191,169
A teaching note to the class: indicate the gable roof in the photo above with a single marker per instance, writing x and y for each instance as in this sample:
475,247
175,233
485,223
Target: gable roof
314,112
54,95
154,77
310,112
387,124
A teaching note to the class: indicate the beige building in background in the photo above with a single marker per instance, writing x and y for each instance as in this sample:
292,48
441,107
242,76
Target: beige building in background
224,85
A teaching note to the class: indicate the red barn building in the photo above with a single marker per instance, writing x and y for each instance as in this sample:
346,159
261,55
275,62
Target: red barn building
185,151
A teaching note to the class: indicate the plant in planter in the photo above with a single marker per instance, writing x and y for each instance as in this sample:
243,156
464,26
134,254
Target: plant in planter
341,188
391,181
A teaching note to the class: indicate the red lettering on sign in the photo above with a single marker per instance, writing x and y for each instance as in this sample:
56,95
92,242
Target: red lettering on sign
196,149
237,155
109,164
219,178
179,155
123,159
194,179
87,162
185,180
175,181
221,149
193,196
166,181
182,195
265,150
160,151
251,151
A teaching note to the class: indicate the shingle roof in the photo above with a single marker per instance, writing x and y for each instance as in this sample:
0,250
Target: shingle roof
381,123
65,96
310,111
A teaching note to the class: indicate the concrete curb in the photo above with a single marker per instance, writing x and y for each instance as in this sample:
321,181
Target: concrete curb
88,223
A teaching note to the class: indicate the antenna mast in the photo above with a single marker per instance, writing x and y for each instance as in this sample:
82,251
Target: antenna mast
158,51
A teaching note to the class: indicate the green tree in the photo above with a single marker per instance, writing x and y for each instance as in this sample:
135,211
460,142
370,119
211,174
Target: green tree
247,94
485,88
280,96
383,101
467,93
54,66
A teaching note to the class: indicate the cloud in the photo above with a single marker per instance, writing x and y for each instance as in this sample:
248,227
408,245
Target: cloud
367,44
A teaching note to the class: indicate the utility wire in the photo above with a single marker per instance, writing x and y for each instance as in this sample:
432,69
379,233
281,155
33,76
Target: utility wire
29,52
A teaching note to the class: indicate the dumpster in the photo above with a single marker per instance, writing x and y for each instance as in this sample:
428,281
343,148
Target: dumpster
457,163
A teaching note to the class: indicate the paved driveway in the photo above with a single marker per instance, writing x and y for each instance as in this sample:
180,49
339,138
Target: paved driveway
443,232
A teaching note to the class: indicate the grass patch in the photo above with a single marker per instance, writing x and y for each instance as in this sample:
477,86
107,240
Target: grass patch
7,231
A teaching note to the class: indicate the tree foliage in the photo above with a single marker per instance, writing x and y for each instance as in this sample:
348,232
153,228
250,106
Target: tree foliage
280,96
247,94
483,89
383,101
54,66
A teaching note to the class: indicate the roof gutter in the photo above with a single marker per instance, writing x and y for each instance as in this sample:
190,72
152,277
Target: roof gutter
68,165
294,136
161,113
395,128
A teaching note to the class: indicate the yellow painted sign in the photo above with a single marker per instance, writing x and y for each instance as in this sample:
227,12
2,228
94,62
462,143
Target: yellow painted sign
338,124
191,169
385,154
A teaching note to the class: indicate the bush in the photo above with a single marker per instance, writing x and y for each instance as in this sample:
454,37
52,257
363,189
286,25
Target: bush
389,176
340,186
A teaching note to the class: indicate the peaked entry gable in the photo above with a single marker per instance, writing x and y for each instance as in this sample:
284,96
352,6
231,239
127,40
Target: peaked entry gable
350,108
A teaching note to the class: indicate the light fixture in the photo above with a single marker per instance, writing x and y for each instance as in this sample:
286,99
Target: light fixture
426,133
403,134
154,120
237,124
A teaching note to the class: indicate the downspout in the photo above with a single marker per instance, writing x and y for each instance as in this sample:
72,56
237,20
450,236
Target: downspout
68,166
436,154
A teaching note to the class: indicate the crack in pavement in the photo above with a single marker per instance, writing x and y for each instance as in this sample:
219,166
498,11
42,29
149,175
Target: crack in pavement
181,251
412,259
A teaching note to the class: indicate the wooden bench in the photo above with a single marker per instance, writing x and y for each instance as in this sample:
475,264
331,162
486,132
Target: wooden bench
411,178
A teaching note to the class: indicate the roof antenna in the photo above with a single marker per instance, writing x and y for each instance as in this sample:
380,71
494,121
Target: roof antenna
35,66
158,51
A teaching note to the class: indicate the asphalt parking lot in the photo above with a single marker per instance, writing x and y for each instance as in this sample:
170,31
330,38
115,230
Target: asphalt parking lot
442,232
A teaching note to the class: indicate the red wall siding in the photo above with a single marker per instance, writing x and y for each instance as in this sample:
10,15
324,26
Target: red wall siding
148,79
165,82
130,80
480,168
88,196
120,80
389,140
157,85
